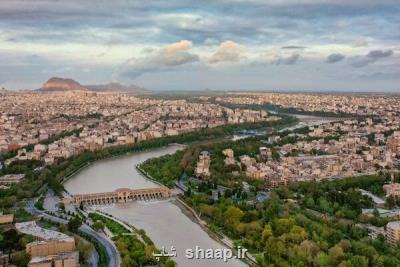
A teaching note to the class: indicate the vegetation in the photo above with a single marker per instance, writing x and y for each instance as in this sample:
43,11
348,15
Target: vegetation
98,226
135,253
305,224
36,176
74,224
39,203
280,109
99,248
340,197
115,227
136,248
85,250
13,243
284,233
167,169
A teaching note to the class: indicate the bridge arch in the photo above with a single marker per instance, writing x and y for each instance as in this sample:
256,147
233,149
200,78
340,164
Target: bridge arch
121,195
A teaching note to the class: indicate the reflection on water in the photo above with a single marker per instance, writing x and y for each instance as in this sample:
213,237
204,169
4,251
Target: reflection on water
108,175
167,226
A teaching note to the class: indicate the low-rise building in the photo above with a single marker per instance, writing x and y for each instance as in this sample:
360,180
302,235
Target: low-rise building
10,179
6,218
60,260
51,249
392,189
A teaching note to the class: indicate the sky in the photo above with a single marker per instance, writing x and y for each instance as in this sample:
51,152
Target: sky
312,45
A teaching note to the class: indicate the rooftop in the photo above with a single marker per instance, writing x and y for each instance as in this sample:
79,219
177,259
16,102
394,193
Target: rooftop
394,225
31,228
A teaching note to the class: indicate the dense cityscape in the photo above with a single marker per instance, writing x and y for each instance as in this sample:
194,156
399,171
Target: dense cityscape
279,144
220,133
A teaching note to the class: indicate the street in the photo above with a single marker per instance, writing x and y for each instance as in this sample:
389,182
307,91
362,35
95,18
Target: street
113,257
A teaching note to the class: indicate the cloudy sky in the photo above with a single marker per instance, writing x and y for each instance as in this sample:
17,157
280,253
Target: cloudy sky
346,45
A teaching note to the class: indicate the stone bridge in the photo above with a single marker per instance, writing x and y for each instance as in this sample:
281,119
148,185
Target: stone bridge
120,196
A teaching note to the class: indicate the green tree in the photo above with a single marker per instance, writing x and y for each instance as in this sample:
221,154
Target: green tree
74,224
267,232
170,263
335,255
233,215
85,250
390,202
322,260
98,225
20,258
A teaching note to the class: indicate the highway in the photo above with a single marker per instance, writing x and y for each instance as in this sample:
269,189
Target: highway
113,257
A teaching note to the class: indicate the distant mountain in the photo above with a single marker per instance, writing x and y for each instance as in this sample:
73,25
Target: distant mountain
116,87
61,84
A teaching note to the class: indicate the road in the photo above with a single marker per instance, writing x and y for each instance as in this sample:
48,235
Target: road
112,253
377,200
93,260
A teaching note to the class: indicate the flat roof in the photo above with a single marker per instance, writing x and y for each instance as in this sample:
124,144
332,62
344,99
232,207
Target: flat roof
31,228
394,225
67,255
12,177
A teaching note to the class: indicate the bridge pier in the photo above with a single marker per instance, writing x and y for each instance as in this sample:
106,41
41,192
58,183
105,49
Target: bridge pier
122,195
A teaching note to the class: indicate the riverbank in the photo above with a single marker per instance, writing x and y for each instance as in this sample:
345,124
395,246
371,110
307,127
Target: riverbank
203,134
220,238
192,214
147,176
88,164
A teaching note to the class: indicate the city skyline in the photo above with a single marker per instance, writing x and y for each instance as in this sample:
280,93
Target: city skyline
249,45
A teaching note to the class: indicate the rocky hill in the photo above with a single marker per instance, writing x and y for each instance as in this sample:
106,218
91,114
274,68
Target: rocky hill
61,84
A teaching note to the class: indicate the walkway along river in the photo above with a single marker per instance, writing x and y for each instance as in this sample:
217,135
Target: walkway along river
163,221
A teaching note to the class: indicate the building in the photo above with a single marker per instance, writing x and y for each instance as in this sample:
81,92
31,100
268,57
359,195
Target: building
10,179
229,160
6,218
203,165
228,153
393,233
392,189
51,249
374,232
60,260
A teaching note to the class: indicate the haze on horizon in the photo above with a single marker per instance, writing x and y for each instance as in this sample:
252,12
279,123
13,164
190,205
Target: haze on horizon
311,45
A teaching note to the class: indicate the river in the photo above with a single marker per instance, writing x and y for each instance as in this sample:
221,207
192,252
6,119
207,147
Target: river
303,121
309,120
163,221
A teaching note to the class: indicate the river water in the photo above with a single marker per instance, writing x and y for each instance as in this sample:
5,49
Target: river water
303,121
163,221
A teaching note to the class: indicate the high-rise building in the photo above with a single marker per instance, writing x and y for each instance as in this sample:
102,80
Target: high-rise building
393,233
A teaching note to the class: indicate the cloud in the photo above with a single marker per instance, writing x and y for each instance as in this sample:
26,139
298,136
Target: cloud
80,34
293,47
171,56
333,58
210,41
380,75
227,51
360,43
371,57
177,47
379,54
290,60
